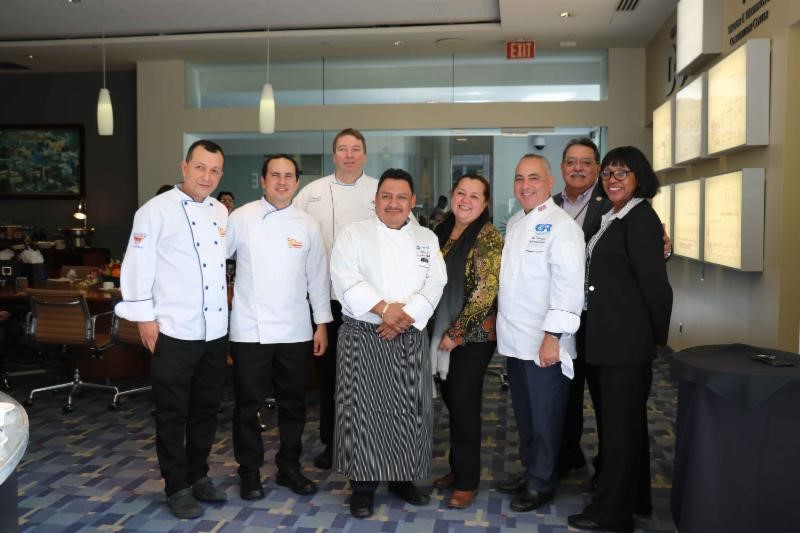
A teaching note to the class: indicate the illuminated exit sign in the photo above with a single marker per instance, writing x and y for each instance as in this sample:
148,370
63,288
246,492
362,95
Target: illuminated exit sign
520,49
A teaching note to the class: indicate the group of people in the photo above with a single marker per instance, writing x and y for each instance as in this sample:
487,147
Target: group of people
392,304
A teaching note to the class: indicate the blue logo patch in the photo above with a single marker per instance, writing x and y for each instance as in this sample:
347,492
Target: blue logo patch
543,228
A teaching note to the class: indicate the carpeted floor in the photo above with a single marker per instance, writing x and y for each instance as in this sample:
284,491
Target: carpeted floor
96,470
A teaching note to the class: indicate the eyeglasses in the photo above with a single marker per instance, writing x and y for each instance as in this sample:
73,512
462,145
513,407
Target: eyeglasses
617,174
586,162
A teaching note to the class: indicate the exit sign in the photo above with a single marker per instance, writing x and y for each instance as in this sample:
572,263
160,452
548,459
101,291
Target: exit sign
520,49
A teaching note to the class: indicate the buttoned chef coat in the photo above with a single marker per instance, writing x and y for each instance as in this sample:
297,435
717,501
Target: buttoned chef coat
541,282
174,267
280,258
372,262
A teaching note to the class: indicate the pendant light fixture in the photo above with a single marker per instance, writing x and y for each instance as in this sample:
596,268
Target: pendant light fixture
105,113
266,106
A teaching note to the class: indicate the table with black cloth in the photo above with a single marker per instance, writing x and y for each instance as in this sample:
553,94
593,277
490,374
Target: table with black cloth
737,443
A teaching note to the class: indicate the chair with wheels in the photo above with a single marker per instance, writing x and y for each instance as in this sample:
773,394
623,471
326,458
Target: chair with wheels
62,318
126,332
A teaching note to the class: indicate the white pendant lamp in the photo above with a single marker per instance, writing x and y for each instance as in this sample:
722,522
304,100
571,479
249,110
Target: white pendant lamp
266,106
105,113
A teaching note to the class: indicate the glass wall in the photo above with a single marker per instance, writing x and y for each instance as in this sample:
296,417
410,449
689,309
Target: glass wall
559,76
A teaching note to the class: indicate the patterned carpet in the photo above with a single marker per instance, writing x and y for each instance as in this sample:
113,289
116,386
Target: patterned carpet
96,470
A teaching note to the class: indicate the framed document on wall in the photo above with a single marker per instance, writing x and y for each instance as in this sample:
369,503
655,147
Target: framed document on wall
690,121
662,205
686,241
663,135
738,99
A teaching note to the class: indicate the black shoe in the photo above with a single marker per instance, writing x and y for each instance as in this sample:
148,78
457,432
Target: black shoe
567,466
583,521
512,485
528,500
324,461
297,482
184,505
361,504
250,487
205,491
410,493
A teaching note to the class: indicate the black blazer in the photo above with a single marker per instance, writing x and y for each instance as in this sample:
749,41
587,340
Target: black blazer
629,297
597,207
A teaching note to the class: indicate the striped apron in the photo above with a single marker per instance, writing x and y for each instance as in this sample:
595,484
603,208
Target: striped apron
384,418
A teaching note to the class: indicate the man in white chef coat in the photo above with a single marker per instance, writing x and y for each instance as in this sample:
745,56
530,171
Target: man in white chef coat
389,275
539,308
173,285
347,195
280,258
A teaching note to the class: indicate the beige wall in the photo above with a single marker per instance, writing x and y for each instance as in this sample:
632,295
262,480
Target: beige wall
163,118
718,305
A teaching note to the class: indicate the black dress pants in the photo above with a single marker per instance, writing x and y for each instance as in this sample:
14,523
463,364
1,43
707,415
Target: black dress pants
188,378
254,367
623,486
326,367
571,455
462,393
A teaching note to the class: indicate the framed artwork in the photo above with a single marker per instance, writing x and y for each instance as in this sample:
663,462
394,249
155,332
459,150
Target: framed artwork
41,161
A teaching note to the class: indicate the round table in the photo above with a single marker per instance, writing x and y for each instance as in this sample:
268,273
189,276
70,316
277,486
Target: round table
15,429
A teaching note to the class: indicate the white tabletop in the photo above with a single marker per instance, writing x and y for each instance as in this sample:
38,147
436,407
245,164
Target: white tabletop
15,428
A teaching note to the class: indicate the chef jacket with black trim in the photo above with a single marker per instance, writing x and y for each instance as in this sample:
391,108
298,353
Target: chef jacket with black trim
174,267
280,258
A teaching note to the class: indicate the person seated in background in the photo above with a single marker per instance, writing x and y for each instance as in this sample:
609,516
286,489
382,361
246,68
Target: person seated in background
463,339
164,188
439,212
226,199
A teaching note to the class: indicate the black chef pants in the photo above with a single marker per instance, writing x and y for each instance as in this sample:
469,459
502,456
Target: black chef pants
188,379
326,367
256,365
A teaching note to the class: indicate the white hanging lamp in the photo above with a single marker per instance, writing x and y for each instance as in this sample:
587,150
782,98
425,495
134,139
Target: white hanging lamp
266,106
105,113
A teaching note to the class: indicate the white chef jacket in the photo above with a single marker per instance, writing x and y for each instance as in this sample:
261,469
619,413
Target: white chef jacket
335,204
174,267
280,259
372,262
541,282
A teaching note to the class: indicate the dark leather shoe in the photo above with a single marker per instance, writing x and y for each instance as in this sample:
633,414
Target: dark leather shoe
528,500
324,461
445,482
250,488
512,485
205,491
297,482
583,521
461,499
567,466
184,505
410,493
361,504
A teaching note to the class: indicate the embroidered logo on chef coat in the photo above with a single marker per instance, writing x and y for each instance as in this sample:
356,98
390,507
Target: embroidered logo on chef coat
294,243
424,254
221,231
138,240
538,240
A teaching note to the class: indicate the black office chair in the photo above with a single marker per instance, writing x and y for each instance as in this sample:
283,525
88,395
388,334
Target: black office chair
62,318
126,332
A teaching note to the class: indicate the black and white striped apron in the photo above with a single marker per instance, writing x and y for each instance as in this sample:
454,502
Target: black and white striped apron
384,419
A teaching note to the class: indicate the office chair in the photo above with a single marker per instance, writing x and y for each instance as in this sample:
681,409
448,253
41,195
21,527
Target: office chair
126,332
62,318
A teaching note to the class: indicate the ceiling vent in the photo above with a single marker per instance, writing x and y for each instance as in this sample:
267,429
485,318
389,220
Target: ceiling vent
627,5
5,65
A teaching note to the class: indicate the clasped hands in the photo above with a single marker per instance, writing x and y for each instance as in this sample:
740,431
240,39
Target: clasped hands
395,321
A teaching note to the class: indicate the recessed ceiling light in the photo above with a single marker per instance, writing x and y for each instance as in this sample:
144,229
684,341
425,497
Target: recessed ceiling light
432,101
398,43
461,139
73,1
566,15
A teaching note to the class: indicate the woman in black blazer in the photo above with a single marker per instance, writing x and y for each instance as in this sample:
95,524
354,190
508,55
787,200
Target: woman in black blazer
629,302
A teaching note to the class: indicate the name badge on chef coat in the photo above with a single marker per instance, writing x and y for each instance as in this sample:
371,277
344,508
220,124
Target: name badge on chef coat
538,240
424,255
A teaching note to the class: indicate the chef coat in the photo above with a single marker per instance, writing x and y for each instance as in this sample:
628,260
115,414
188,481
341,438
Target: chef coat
541,282
174,267
372,262
280,258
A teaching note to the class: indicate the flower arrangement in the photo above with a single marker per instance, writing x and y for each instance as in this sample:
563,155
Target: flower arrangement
112,268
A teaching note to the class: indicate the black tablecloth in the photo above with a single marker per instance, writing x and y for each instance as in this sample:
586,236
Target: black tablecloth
728,370
737,442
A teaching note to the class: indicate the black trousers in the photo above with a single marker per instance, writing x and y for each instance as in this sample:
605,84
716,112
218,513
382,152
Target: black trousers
326,370
623,486
256,365
188,378
571,454
462,393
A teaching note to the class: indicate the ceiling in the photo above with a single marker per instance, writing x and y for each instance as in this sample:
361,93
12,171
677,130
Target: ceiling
62,36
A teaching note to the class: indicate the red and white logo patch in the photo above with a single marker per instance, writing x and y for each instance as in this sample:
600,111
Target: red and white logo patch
138,239
294,243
